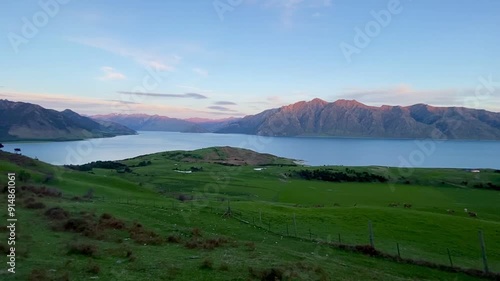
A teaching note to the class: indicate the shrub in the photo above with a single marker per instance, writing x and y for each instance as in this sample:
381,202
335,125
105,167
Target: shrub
82,249
192,244
196,169
334,176
129,254
271,274
35,205
196,232
174,239
38,275
77,225
143,236
24,176
106,216
56,213
109,221
367,250
29,200
144,163
4,249
110,165
42,191
208,244
184,197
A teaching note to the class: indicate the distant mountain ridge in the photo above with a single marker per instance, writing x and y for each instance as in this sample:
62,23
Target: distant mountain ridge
349,118
342,118
144,122
26,121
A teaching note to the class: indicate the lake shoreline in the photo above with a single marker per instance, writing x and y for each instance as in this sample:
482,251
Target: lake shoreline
327,151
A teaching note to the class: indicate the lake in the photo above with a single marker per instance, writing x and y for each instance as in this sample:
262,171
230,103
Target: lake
311,150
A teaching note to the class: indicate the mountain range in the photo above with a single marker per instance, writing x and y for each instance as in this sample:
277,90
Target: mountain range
143,122
26,121
349,118
342,118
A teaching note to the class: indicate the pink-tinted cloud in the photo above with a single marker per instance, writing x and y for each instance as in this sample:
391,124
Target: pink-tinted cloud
93,106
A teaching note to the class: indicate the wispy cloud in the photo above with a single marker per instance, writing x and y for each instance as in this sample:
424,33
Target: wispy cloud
186,95
225,103
143,57
93,106
124,102
200,71
110,73
221,108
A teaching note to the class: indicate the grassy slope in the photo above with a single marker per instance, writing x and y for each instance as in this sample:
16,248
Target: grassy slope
424,231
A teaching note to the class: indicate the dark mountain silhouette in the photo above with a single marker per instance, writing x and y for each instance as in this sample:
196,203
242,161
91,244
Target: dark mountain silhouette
349,118
26,121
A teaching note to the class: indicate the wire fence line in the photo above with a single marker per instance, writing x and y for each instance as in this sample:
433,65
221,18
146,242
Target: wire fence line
366,244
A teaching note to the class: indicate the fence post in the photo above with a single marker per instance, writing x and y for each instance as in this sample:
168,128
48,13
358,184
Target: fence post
295,224
310,234
449,257
399,253
370,229
340,241
483,249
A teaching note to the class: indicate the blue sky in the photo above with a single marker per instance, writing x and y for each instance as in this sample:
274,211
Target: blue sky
224,58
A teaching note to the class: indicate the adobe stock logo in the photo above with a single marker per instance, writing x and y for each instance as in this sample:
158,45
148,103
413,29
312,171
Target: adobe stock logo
32,26
363,37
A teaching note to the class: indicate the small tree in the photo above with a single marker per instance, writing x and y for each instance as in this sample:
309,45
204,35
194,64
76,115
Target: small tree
18,150
1,146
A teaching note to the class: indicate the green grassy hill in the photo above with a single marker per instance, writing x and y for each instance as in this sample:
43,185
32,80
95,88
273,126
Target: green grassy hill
231,214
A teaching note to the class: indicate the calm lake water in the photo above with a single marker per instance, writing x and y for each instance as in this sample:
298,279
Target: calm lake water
313,151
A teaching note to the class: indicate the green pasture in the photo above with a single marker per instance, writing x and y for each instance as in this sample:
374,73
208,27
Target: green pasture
267,198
